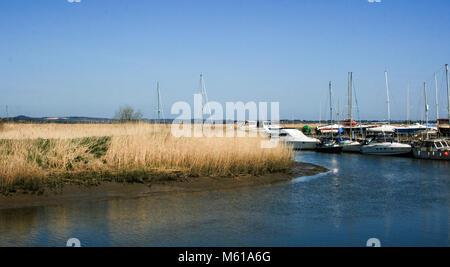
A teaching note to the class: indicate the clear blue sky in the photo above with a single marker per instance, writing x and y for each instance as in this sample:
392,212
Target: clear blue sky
87,59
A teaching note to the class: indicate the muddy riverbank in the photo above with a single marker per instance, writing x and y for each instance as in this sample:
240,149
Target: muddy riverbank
114,190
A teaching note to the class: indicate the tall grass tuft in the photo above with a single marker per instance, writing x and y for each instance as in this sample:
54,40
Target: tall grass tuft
53,154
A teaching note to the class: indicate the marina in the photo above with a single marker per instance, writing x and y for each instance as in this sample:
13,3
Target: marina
422,141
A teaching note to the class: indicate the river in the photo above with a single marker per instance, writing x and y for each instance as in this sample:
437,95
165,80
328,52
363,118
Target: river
400,201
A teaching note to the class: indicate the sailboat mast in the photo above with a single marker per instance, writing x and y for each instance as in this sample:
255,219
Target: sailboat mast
448,91
408,108
339,111
426,105
320,113
331,105
437,96
205,101
331,109
388,98
350,102
159,102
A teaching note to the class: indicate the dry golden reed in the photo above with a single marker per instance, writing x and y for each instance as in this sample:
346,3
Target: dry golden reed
31,153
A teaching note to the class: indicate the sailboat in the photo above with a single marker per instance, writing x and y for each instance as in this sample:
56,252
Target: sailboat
350,145
385,128
331,128
414,129
329,144
431,149
384,144
444,124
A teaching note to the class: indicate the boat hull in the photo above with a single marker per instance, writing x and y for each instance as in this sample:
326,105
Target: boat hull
434,155
329,149
385,149
352,148
301,145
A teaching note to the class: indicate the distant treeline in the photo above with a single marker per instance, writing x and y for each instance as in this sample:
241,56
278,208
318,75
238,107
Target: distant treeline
71,120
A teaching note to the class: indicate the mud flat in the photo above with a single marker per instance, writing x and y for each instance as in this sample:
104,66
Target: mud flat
113,190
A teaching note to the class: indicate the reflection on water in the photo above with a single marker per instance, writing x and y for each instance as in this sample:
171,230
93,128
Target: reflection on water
401,201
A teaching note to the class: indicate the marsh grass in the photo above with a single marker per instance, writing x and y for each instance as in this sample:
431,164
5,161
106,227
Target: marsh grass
34,157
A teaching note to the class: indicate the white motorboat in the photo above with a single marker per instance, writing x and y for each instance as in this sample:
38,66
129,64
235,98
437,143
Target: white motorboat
382,129
269,128
262,127
296,139
385,145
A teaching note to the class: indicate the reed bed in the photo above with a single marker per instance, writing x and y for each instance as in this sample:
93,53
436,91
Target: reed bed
38,156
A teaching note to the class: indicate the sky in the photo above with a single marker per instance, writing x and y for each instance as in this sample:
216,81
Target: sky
88,58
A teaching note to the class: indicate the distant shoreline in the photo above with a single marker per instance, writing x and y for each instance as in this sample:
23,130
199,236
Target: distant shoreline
100,120
114,190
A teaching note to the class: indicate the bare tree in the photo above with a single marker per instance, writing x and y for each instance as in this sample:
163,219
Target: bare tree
127,113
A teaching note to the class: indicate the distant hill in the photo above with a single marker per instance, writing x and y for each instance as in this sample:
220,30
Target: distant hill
73,119
23,118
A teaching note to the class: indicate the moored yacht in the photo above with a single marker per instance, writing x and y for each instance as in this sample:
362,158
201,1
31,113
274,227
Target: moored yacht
296,139
385,145
262,127
432,149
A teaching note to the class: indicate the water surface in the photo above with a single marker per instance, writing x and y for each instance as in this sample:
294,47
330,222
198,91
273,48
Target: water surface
401,201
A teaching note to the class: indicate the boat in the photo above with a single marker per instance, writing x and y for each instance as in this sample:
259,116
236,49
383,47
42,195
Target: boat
385,128
329,145
444,127
411,129
296,139
382,129
349,145
332,128
263,127
269,128
248,126
444,124
437,149
385,145
349,124
327,129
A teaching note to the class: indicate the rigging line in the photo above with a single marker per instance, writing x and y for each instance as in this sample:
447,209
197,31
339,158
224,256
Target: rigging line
357,108
438,70
205,98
